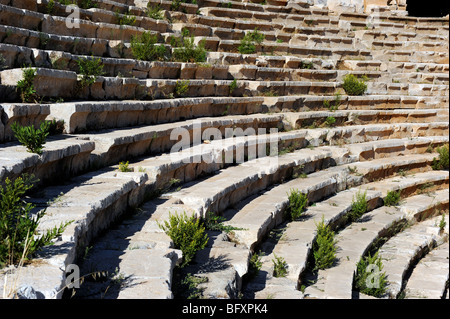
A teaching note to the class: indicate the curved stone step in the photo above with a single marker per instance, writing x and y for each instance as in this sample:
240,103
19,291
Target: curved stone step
430,276
97,115
353,242
305,103
32,20
24,114
295,244
67,43
92,202
113,146
397,35
52,83
262,215
420,89
416,45
62,157
232,13
303,51
418,78
408,56
402,251
191,163
348,117
98,14
236,183
389,147
226,282
365,24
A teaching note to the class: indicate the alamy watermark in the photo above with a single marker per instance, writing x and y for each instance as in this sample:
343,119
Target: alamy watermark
373,280
231,145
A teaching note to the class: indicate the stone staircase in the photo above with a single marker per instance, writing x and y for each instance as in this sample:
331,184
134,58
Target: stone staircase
246,129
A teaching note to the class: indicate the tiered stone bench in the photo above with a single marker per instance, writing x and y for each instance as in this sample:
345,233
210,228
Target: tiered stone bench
285,101
433,270
336,282
399,252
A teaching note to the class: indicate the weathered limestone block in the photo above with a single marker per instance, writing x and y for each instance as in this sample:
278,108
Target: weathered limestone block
24,114
15,56
161,70
21,18
243,72
398,252
430,275
62,157
47,82
14,35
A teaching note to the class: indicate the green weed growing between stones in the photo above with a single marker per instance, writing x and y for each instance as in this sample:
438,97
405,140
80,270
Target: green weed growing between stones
247,45
90,69
187,233
19,237
215,222
145,48
154,12
25,87
441,163
181,88
33,139
392,198
255,264
279,266
353,86
369,278
359,206
297,203
123,167
186,50
324,247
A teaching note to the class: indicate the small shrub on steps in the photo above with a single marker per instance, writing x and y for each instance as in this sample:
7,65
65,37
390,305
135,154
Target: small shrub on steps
154,12
233,86
123,167
186,50
187,233
125,19
25,87
324,247
87,4
90,69
189,285
215,222
334,105
279,266
181,88
442,162
392,198
19,238
297,203
369,279
144,48
247,45
359,206
330,121
31,138
255,264
353,86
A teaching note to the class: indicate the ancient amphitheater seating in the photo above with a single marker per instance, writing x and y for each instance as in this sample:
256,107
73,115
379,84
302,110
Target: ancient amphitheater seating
245,131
